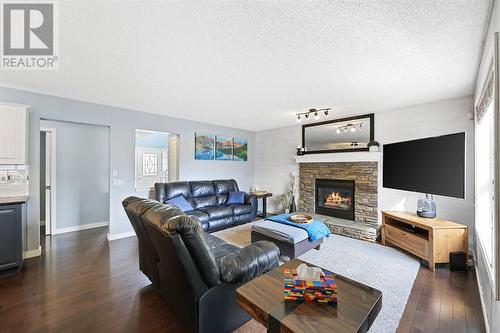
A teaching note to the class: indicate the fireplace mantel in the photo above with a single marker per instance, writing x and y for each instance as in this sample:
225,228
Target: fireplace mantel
340,157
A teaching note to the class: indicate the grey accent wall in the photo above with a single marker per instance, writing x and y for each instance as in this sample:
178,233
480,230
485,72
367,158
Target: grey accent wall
82,173
42,177
123,123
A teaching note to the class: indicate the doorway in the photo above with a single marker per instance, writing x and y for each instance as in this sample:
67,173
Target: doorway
74,156
47,180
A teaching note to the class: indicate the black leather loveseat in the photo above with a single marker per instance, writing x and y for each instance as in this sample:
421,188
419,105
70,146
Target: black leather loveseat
209,200
196,273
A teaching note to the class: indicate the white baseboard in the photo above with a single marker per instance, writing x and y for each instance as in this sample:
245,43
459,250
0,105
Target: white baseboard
80,227
480,289
32,253
120,236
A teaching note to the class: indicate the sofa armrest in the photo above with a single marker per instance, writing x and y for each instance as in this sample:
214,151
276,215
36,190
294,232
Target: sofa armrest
250,262
250,199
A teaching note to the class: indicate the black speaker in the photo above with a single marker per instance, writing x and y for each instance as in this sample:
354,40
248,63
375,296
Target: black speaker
458,262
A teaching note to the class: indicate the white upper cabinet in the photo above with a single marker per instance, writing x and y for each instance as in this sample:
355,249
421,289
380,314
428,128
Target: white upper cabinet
13,134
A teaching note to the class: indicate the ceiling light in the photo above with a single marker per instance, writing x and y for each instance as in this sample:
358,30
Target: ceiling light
361,126
353,128
312,112
338,131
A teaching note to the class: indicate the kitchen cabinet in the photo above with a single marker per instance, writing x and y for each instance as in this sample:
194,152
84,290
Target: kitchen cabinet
12,215
13,134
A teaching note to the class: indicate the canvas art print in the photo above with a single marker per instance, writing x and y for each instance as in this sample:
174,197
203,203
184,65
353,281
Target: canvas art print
224,148
204,146
240,148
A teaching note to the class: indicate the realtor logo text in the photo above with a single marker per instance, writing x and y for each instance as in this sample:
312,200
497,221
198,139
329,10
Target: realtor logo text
30,36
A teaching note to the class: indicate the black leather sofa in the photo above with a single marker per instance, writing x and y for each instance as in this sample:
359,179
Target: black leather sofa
196,273
209,199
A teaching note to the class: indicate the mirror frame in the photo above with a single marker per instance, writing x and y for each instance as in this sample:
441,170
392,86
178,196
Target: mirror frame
370,116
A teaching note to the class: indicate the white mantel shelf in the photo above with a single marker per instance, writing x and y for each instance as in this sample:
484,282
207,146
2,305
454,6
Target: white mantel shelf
359,156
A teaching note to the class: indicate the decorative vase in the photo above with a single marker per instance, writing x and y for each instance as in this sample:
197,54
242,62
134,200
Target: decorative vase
373,146
293,207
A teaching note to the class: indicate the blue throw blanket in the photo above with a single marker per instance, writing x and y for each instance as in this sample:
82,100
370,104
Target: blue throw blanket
316,229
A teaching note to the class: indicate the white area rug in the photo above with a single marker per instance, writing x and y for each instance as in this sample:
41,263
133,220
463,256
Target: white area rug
384,268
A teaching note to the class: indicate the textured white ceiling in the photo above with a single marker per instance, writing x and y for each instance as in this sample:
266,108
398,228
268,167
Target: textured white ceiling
252,65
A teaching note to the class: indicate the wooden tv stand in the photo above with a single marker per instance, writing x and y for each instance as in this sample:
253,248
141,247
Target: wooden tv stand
429,239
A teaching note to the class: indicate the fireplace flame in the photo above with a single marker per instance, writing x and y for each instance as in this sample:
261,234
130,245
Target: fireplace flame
336,200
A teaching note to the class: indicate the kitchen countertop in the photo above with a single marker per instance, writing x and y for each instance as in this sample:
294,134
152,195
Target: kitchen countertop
13,200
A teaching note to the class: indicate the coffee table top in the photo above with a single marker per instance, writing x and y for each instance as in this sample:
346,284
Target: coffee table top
356,309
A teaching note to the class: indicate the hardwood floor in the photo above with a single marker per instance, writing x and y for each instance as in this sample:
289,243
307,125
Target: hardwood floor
83,283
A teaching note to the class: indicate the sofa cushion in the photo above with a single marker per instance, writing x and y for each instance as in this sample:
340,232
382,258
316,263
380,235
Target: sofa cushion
236,198
175,189
198,215
206,201
218,212
202,188
180,202
219,224
241,209
215,241
224,186
224,250
222,199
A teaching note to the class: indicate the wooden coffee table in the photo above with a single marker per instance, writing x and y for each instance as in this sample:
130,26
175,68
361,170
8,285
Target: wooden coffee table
262,298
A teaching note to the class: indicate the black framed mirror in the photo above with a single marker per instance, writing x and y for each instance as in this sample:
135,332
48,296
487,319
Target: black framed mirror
339,135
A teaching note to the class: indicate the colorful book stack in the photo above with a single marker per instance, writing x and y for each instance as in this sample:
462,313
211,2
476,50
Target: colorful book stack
322,291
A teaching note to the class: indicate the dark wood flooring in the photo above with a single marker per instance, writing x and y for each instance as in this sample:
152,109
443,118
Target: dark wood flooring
83,283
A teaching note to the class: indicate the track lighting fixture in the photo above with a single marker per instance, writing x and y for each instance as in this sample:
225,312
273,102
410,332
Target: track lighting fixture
350,128
314,112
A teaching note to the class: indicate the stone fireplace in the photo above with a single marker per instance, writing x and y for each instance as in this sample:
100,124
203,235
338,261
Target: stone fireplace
335,197
357,187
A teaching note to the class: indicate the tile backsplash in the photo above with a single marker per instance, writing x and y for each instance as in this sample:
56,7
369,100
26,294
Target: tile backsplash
14,180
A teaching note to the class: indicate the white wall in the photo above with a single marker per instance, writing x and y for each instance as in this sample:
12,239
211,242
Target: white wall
275,150
422,121
486,285
274,162
82,180
122,124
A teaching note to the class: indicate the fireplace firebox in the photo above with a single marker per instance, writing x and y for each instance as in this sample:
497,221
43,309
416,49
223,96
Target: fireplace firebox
335,197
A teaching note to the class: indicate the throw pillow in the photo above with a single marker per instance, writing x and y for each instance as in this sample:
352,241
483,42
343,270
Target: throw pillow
180,202
236,197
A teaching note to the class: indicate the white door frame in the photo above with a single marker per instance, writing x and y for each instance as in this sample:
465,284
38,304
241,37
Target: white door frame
50,173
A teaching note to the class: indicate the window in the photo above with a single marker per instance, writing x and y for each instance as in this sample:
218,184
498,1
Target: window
485,182
155,158
150,164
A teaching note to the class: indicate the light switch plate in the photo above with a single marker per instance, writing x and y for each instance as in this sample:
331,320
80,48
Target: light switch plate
116,172
118,182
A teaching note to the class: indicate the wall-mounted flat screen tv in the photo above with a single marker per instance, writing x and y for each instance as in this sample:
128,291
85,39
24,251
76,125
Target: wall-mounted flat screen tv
432,165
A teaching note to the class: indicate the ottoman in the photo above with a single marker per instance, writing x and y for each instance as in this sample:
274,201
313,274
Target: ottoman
291,241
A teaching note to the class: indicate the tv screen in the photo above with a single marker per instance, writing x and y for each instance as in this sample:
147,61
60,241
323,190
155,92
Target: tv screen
432,165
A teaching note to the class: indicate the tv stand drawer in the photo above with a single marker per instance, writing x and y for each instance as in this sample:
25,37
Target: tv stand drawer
415,244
